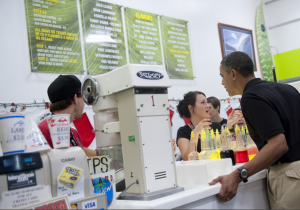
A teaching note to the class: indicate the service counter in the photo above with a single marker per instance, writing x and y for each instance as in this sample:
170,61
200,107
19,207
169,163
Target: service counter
250,195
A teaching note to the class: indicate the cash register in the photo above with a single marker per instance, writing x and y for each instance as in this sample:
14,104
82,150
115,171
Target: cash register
24,170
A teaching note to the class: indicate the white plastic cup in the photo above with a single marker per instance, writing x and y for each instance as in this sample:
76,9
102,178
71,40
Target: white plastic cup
12,133
35,141
59,127
1,153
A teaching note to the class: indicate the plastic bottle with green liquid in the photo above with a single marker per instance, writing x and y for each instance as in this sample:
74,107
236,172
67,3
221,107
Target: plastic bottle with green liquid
201,155
193,154
211,153
241,152
226,151
251,146
244,137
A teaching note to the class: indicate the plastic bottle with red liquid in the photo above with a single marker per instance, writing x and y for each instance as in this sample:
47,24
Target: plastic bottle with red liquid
251,146
241,152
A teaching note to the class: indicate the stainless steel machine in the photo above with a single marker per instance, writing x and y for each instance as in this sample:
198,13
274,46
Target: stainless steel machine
132,119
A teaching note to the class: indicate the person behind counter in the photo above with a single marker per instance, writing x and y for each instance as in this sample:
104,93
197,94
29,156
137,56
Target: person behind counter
272,113
240,123
65,96
214,111
194,105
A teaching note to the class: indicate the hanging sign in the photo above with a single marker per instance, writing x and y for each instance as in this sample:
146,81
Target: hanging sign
103,36
263,45
53,36
177,52
143,37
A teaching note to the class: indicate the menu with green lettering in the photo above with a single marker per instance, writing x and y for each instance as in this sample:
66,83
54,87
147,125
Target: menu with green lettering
53,36
103,36
177,52
143,37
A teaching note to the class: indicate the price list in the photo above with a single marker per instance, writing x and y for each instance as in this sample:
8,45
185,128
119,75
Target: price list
177,50
53,33
143,37
103,35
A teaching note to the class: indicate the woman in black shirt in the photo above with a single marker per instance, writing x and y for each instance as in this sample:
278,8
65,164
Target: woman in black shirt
194,106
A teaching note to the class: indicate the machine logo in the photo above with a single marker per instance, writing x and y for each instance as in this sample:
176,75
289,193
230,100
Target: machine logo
150,75
67,159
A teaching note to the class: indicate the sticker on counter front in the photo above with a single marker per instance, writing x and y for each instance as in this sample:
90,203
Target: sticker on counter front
21,179
24,197
71,182
105,183
91,204
99,164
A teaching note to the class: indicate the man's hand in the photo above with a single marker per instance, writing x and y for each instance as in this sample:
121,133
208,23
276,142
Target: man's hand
229,184
233,118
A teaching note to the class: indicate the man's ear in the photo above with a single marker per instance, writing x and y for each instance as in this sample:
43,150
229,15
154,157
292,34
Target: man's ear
218,108
75,99
234,74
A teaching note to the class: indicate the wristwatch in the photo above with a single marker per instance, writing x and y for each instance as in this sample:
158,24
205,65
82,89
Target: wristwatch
243,174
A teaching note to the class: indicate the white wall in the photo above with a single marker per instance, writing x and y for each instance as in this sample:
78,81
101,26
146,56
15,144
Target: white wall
283,24
18,84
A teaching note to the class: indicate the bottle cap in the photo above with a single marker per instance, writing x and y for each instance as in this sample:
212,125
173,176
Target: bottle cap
212,133
192,135
237,130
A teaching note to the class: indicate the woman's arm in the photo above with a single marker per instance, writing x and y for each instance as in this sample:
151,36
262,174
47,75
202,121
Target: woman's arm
184,147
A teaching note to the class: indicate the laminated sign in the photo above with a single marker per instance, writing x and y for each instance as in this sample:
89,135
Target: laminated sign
69,176
21,179
71,182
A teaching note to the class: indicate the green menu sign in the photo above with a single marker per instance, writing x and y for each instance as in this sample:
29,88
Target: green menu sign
177,51
103,36
53,36
143,37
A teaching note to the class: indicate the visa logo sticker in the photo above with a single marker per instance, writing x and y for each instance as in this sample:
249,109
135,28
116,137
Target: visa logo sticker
91,204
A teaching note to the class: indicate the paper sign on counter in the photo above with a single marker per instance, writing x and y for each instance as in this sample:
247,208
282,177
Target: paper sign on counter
60,202
26,196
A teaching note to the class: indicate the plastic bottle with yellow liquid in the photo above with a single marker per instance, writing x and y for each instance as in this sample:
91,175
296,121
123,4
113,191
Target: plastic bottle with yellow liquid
217,142
211,153
201,155
241,152
193,154
251,146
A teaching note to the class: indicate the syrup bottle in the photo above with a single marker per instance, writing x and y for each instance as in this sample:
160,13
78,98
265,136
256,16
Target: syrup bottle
251,146
193,154
211,153
241,152
226,151
217,142
201,155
